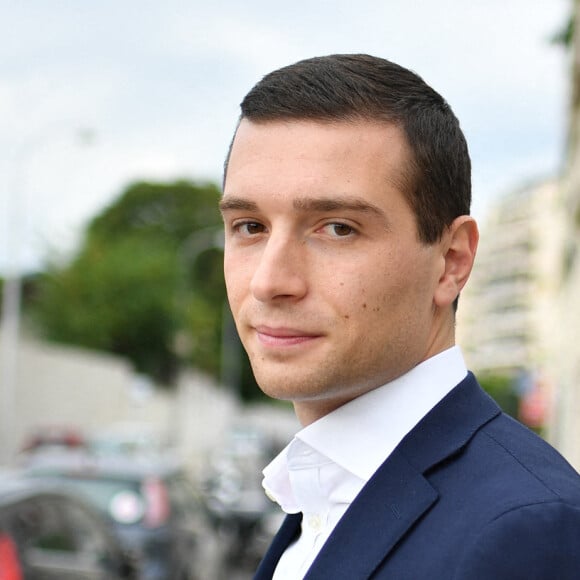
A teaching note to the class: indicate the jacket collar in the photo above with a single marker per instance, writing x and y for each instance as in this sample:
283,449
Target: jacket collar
450,425
398,494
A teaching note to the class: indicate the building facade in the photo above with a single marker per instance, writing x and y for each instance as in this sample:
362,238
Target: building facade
509,311
567,359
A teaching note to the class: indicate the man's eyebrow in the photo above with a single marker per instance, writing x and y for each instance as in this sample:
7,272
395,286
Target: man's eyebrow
307,204
237,203
326,204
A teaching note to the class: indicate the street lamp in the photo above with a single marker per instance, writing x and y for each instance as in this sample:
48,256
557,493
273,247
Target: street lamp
12,289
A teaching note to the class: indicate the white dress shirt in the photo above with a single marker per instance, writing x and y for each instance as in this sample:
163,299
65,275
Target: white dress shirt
327,463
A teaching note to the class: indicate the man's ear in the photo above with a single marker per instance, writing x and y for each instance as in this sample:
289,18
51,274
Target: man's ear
459,245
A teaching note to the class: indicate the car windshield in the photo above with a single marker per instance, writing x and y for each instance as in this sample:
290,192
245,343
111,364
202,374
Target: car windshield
119,499
102,492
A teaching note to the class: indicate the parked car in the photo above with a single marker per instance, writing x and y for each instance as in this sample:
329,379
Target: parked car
53,437
150,503
47,533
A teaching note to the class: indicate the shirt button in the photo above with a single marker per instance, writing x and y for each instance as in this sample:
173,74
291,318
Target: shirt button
314,522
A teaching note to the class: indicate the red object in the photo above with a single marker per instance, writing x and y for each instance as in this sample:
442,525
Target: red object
54,436
9,563
533,409
157,500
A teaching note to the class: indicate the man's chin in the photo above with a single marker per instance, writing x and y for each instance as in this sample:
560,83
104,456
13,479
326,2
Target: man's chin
298,389
281,392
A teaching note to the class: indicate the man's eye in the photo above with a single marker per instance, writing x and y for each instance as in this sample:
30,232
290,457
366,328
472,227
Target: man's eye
250,228
340,230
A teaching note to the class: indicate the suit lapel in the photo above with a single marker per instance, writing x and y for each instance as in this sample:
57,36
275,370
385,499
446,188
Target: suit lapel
399,493
286,534
396,497
449,426
388,506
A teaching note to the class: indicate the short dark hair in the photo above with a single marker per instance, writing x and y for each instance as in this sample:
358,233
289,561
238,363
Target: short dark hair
350,87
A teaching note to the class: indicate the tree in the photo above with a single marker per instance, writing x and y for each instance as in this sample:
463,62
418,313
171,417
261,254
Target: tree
147,282
171,211
501,388
115,297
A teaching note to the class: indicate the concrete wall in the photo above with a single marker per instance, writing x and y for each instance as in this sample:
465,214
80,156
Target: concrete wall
60,386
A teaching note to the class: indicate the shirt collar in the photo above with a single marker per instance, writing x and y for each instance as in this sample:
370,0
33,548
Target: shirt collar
348,436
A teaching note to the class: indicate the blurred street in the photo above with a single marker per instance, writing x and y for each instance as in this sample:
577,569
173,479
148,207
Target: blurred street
177,483
161,521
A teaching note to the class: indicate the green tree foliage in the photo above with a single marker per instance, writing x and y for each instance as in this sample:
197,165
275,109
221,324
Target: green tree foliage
147,282
113,297
565,35
173,212
501,388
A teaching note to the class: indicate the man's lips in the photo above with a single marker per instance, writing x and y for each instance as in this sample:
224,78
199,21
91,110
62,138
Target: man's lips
283,336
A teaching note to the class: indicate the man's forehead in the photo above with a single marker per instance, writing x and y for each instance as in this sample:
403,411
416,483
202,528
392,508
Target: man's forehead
259,145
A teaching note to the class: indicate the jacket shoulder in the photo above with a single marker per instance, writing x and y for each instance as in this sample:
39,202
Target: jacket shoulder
533,542
527,460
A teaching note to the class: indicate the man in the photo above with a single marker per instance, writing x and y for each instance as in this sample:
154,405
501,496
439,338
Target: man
348,240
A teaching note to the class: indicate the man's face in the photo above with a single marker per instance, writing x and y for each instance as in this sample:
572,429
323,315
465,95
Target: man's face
331,290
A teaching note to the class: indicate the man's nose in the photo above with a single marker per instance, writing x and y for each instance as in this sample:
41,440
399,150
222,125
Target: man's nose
281,270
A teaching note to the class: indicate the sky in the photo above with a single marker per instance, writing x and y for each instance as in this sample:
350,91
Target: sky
95,95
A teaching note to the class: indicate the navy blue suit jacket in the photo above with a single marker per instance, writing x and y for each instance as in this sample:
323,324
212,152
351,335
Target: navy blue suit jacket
469,494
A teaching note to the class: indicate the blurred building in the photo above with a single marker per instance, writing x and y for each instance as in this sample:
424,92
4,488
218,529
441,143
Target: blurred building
508,310
522,306
567,359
